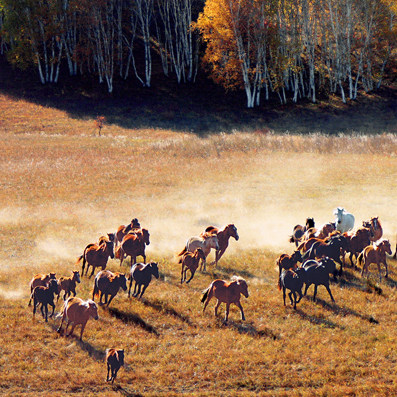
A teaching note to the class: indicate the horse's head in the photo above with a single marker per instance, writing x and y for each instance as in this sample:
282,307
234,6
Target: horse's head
92,310
53,286
110,248
233,231
120,355
385,246
200,253
146,236
242,285
309,223
76,276
111,237
154,269
52,276
296,256
122,281
338,212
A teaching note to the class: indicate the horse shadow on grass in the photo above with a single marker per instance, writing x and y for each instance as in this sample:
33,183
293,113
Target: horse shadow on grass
131,318
247,328
163,307
344,311
317,320
222,272
125,392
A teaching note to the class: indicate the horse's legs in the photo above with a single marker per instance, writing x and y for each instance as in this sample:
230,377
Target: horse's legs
63,318
329,291
82,330
92,273
53,309
129,289
290,294
209,297
111,298
387,270
306,288
107,376
238,304
227,312
143,290
217,306
192,274
284,294
182,271
218,255
315,292
135,288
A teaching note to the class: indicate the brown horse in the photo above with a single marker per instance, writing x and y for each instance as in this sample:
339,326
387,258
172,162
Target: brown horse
227,292
357,241
107,284
376,228
122,230
133,245
96,256
40,280
77,312
205,242
375,254
45,296
286,262
190,261
114,360
68,284
223,238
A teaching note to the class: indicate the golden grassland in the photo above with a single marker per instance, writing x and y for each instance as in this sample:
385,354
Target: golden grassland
62,187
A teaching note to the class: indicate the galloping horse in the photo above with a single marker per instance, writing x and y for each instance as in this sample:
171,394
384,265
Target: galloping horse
223,238
344,220
45,296
40,280
77,312
227,292
68,284
142,274
96,256
375,254
134,244
376,228
190,261
357,241
108,284
205,242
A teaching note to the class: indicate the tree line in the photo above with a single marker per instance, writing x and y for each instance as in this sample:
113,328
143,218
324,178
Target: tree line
289,48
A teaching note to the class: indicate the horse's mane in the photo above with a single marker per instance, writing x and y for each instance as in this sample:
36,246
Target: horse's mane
238,279
208,235
210,229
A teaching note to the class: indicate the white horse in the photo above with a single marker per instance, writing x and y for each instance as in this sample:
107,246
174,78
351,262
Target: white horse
344,220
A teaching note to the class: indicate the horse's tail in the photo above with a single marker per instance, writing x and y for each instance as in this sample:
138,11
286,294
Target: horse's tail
205,294
182,252
95,292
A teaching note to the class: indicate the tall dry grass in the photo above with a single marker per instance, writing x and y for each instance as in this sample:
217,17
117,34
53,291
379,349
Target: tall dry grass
63,188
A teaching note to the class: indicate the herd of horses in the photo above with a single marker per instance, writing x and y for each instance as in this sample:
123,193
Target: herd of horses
317,251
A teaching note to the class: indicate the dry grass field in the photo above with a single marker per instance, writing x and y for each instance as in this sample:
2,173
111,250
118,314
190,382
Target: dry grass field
62,187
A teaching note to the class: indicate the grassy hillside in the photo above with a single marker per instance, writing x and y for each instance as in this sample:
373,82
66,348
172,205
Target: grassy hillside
63,187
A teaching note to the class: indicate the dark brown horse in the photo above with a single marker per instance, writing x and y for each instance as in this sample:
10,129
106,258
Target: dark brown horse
107,285
114,360
68,284
45,296
96,256
223,238
142,275
133,245
286,261
40,280
357,241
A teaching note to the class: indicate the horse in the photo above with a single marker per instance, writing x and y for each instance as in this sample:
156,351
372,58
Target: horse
142,274
190,261
357,241
375,254
317,273
40,280
107,284
77,312
206,241
300,230
227,292
45,296
114,360
333,248
68,284
122,230
96,256
292,280
223,238
134,244
376,228
344,220
325,230
286,261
